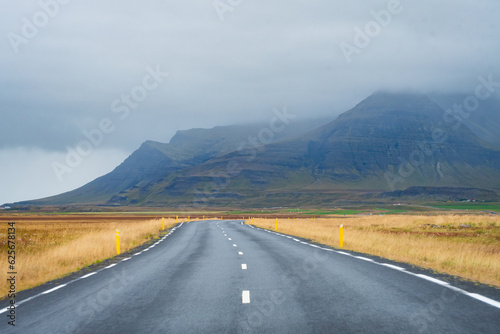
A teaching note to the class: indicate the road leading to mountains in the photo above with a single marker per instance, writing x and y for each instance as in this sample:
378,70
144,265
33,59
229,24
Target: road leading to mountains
226,277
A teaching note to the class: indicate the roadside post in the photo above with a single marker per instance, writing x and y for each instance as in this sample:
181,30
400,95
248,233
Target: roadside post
341,242
117,242
276,228
163,224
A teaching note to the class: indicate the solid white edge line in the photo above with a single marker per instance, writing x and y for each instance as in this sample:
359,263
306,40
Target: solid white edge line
476,296
484,299
245,297
49,291
88,275
392,266
53,289
432,279
126,259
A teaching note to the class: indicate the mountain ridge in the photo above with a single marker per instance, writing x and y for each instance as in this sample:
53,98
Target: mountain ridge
399,134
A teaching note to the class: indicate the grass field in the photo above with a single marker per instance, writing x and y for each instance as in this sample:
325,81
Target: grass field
468,206
49,247
462,245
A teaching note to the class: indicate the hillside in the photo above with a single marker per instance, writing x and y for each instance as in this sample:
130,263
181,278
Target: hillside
153,161
388,142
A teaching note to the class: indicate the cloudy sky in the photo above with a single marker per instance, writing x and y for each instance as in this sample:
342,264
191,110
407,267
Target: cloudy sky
121,72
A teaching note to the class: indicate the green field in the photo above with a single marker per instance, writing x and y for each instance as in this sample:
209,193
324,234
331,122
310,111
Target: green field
335,212
468,206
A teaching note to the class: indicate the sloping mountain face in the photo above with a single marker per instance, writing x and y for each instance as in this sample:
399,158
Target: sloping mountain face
483,120
154,162
387,142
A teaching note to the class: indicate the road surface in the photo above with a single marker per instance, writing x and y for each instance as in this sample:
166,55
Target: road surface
226,277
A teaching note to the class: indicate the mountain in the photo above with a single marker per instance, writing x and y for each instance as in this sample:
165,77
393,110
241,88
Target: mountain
387,143
155,161
484,120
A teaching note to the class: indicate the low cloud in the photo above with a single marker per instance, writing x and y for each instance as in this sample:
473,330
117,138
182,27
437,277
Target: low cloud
79,57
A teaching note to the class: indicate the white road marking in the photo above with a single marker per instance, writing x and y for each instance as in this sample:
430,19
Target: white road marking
241,253
137,253
245,297
392,266
48,291
234,245
126,259
485,299
88,275
476,296
54,289
432,279
243,266
228,238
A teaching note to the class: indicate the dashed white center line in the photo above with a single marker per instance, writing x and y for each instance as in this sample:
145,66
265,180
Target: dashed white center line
234,245
243,266
245,297
241,253
229,239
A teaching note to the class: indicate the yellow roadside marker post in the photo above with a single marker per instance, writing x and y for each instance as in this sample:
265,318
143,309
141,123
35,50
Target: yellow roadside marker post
203,217
276,224
163,224
177,219
189,218
117,242
341,242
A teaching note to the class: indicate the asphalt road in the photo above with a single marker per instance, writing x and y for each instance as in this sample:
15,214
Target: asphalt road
226,277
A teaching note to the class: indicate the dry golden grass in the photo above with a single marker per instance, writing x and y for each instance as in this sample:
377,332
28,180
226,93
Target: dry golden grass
48,248
471,251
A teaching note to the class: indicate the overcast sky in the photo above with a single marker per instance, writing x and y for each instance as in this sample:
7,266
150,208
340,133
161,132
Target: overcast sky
80,65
